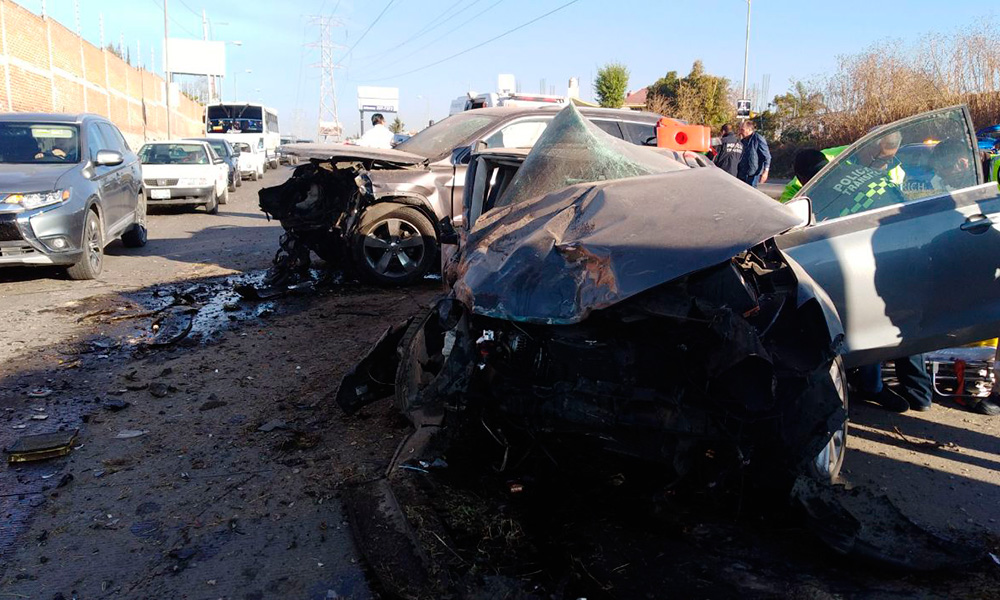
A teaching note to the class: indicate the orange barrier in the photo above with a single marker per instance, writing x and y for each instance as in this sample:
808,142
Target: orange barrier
677,136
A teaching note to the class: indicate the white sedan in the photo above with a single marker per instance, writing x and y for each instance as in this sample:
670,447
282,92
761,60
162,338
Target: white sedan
184,172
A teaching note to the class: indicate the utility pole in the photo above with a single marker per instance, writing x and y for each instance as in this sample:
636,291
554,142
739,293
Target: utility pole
746,52
327,84
204,32
166,62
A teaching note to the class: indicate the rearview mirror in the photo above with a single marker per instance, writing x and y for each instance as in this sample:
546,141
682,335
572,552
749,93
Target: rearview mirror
803,209
461,155
109,158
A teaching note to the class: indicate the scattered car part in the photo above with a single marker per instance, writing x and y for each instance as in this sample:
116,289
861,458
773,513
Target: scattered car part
41,447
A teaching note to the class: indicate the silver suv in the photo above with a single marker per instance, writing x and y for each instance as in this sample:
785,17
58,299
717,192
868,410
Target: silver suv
69,185
384,212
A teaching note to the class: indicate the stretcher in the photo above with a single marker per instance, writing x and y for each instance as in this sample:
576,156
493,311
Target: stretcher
965,372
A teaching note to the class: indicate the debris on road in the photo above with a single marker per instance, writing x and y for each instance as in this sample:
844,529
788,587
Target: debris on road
41,446
114,404
158,389
126,434
39,393
272,425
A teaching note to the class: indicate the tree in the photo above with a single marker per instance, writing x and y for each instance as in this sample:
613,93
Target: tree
397,126
697,98
610,85
799,102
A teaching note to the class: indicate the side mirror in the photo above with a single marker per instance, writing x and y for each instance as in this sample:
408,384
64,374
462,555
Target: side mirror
108,158
803,209
461,155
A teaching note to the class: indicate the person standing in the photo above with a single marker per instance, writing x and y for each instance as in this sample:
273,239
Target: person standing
378,136
756,158
730,149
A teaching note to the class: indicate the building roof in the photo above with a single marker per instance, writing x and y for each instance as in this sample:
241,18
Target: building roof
636,98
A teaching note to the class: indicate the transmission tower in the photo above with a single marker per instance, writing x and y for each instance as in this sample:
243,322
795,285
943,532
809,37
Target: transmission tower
329,126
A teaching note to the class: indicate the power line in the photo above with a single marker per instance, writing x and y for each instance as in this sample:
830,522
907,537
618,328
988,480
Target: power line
358,41
193,11
481,44
429,27
175,21
450,31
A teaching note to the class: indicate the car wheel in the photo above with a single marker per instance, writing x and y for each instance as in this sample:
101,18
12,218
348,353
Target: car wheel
212,207
253,176
232,184
394,247
274,165
137,235
92,262
825,467
261,171
239,180
224,199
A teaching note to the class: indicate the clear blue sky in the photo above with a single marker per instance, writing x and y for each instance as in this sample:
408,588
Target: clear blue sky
789,39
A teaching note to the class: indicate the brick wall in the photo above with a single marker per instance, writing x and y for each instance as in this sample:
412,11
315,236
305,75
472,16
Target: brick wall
45,67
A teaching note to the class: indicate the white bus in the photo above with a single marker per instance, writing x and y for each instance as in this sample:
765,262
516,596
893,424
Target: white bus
246,122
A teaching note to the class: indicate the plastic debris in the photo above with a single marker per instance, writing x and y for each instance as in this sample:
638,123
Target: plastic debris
272,425
39,393
42,446
126,434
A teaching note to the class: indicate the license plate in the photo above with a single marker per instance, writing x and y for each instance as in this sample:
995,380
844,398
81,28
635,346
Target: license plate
159,194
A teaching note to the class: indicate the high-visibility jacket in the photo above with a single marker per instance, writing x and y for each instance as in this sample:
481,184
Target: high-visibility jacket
794,185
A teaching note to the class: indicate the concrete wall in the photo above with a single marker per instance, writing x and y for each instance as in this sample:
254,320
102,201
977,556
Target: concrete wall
45,67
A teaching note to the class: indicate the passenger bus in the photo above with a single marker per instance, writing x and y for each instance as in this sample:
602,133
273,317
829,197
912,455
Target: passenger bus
246,122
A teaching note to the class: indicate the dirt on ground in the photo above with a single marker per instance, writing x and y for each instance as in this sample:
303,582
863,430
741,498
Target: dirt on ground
210,468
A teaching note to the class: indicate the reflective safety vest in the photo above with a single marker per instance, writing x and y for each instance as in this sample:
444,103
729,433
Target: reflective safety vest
872,188
794,185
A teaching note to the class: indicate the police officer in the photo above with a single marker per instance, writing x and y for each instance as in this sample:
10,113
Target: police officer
730,149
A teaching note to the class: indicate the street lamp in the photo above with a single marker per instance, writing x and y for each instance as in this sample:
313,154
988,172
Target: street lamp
746,54
236,94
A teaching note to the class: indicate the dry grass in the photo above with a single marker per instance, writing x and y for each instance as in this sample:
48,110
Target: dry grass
892,80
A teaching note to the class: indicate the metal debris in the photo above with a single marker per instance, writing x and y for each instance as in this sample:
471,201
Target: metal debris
41,447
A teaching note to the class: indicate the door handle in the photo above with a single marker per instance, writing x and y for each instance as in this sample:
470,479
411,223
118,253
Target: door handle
977,224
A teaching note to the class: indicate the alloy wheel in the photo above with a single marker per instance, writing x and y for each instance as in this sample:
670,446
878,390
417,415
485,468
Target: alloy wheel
394,247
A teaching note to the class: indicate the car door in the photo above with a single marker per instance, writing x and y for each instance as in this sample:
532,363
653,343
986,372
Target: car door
911,268
124,174
104,177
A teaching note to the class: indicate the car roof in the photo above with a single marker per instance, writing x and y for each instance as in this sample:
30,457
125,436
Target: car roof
178,141
619,114
67,118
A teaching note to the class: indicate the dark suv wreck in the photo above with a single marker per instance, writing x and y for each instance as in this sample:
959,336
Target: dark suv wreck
648,305
586,302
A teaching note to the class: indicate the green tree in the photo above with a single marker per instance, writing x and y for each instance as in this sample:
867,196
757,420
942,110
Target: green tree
799,102
610,85
397,126
703,98
663,92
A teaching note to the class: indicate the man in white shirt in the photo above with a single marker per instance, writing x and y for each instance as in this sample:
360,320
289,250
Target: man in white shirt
378,136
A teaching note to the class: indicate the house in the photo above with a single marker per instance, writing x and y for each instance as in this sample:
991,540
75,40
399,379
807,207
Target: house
636,100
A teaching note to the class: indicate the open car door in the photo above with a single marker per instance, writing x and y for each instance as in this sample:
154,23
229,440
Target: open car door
906,239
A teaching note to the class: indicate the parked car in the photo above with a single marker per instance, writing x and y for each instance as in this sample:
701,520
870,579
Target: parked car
69,186
184,172
230,155
251,161
580,309
389,228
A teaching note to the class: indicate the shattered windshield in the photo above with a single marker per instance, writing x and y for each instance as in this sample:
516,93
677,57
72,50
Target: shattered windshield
574,150
444,136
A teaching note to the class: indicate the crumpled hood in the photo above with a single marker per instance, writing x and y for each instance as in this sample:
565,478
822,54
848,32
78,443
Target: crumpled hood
349,152
31,178
555,258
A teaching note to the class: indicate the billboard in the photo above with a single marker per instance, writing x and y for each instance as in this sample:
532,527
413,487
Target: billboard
197,57
378,99
330,129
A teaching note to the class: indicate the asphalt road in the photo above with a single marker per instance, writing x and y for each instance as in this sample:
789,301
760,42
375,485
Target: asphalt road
183,244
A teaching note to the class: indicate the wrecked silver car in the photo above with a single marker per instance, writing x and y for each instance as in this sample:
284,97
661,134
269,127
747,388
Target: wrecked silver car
383,213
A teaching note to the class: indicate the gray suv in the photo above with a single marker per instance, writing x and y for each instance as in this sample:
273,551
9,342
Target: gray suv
69,185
